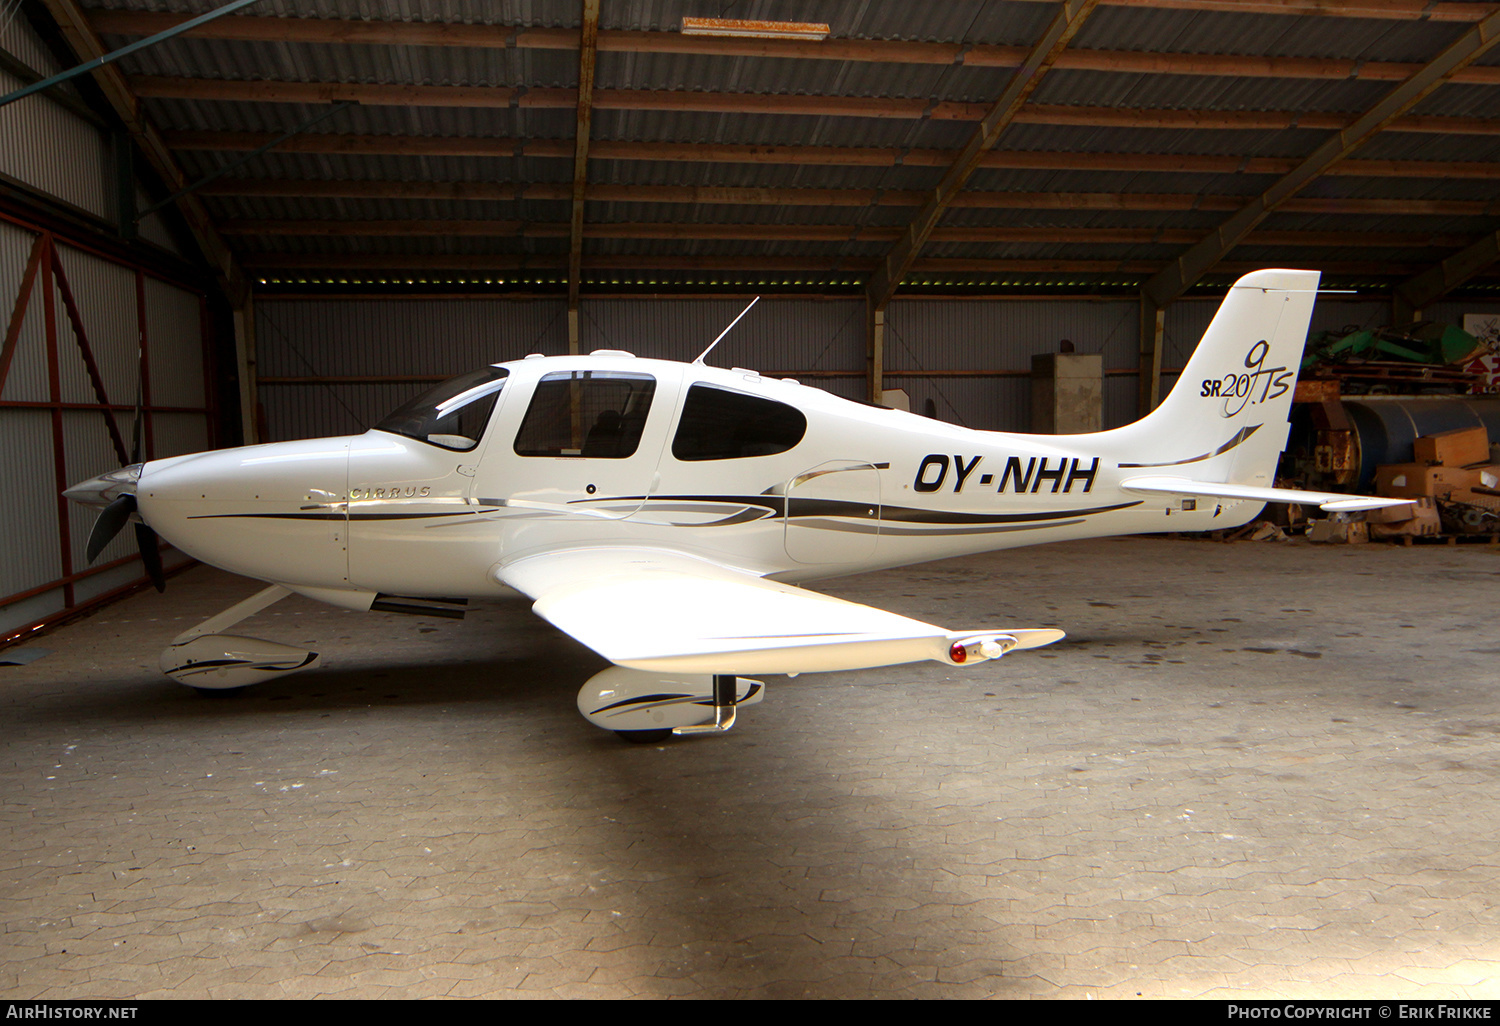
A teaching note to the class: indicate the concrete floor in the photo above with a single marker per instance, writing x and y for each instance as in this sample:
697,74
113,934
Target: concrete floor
1253,770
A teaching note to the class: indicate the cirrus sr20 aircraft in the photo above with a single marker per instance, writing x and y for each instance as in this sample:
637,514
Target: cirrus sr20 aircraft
666,514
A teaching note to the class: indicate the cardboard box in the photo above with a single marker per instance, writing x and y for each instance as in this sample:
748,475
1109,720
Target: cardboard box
1338,532
1397,514
1453,448
1414,480
1426,522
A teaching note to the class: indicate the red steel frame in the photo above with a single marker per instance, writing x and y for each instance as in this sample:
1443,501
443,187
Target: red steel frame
44,273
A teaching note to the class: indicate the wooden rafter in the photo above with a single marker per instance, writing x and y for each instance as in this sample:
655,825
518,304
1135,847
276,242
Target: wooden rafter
455,227
414,263
335,31
755,196
1034,114
587,48
1418,291
1172,281
73,24
823,156
1042,57
271,91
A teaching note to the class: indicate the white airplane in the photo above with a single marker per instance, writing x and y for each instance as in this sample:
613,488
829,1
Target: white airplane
666,514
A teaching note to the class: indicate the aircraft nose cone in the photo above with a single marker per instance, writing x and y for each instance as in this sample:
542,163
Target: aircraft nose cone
106,488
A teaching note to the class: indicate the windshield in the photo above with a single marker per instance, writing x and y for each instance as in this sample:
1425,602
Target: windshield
452,415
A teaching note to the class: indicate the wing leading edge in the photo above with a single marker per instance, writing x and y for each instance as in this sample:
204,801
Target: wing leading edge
657,610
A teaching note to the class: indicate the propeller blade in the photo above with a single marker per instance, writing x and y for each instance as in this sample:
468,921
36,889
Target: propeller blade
145,538
109,524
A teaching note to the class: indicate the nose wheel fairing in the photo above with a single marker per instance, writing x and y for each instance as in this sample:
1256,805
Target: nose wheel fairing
208,660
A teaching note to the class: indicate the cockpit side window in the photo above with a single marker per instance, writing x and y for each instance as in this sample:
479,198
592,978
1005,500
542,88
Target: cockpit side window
452,415
594,414
719,424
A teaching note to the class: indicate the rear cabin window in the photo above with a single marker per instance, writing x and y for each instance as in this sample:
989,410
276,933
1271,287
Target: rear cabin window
593,414
718,424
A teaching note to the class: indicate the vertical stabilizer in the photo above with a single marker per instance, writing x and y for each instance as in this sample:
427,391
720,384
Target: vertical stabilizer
1226,418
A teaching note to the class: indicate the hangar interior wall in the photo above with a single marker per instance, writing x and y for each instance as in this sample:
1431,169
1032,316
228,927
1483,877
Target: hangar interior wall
970,357
53,426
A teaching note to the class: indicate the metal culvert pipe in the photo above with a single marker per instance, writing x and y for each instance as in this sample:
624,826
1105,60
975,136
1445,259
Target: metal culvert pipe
1385,426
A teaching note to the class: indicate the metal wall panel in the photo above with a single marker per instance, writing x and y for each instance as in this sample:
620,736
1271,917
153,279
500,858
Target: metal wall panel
391,338
310,338
27,381
1003,334
152,228
105,297
319,337
47,147
989,404
1334,313
28,503
1121,394
1452,311
334,338
317,411
174,339
178,433
777,335
1183,328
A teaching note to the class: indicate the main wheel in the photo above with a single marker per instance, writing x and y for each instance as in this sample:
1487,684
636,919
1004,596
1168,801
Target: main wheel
644,737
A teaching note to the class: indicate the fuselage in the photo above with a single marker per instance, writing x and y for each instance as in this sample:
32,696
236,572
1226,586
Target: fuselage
542,454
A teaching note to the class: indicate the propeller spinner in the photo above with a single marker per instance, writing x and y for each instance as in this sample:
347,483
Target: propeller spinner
115,493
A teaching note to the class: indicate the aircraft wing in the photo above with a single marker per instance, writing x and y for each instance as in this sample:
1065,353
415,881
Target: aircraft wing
1333,501
651,609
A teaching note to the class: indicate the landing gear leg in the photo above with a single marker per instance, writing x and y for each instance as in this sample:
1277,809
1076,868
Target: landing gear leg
724,705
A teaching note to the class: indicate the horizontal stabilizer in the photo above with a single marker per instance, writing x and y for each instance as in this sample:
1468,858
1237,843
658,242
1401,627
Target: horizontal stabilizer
1331,501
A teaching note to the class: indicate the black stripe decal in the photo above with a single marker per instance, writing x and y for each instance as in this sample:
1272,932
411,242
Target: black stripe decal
335,516
1239,436
776,504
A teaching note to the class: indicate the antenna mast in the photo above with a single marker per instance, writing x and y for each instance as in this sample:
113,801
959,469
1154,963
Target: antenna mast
725,332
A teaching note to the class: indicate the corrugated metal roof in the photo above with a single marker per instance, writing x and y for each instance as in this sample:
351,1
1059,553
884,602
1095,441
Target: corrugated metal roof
995,22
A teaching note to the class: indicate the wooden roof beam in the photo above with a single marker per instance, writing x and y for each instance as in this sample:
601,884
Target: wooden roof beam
1420,290
1172,281
835,233
501,97
743,197
73,24
1386,10
1054,40
587,51
389,33
1013,160
1029,114
270,263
